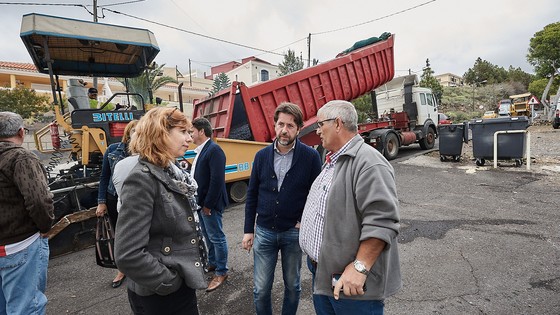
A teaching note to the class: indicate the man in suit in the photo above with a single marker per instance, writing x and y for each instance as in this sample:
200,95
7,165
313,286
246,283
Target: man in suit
208,170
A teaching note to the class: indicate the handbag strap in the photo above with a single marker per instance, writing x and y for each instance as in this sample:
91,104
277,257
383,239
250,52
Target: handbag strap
108,227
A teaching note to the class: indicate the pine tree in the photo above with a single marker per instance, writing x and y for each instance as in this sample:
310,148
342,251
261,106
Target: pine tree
428,80
221,81
290,64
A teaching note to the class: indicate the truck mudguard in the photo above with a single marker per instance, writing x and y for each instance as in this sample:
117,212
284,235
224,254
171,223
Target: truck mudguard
427,125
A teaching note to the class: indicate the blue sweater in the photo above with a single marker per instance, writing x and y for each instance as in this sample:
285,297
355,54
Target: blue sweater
280,210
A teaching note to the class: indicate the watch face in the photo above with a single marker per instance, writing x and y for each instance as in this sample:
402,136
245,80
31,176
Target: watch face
360,267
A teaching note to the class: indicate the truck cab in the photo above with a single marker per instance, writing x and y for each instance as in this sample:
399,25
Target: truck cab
426,105
504,107
403,94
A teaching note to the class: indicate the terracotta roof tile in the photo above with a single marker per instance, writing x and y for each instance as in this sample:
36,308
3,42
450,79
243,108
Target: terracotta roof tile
18,66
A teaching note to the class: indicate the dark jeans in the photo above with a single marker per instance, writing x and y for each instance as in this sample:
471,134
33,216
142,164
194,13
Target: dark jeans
181,302
268,244
327,305
216,241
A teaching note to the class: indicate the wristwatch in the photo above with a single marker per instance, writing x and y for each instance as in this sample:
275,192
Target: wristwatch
360,267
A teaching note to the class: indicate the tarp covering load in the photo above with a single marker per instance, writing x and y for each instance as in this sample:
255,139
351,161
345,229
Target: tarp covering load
365,42
87,48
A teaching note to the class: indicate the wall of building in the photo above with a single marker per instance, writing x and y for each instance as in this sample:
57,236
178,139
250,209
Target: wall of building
450,79
251,72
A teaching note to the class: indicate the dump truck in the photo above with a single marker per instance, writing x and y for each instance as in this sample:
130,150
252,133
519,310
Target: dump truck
520,105
244,114
414,110
61,46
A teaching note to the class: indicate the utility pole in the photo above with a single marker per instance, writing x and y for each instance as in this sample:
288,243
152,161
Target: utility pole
95,20
190,73
309,50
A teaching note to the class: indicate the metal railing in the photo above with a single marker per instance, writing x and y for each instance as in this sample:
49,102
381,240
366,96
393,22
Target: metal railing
526,148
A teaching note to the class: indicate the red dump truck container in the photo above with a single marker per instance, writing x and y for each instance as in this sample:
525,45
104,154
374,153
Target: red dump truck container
246,112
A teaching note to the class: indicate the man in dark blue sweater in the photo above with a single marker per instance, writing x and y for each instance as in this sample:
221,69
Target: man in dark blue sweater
280,181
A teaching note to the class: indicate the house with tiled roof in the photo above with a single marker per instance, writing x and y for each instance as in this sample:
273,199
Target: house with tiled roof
250,70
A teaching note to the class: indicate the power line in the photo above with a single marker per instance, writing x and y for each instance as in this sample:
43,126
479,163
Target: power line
104,7
264,50
68,4
376,19
194,33
44,4
119,3
84,6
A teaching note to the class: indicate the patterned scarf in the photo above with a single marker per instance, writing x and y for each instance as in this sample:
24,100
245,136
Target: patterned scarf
188,186
185,182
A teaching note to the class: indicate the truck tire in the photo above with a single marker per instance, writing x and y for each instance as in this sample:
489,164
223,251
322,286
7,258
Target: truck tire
429,140
391,146
238,191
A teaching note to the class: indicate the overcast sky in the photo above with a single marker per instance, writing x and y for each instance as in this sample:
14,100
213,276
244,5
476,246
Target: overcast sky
452,34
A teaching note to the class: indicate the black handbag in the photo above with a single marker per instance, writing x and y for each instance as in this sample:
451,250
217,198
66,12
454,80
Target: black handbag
105,243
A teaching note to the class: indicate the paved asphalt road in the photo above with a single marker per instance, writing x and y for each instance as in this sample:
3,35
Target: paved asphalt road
473,241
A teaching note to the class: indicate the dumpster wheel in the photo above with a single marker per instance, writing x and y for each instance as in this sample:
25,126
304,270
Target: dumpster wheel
457,158
480,162
518,162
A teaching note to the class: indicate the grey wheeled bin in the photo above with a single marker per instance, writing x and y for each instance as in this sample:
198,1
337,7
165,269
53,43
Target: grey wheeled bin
451,138
510,145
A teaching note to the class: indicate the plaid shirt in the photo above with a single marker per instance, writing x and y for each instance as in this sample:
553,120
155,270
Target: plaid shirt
313,218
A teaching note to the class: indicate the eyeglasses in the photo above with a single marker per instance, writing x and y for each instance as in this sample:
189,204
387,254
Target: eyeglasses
320,123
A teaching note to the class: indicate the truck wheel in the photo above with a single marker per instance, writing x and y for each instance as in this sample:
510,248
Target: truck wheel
429,140
391,146
238,191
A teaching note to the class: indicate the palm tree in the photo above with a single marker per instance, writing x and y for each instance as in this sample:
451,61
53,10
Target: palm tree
152,78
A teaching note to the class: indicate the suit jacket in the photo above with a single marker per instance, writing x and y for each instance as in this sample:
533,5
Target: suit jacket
211,177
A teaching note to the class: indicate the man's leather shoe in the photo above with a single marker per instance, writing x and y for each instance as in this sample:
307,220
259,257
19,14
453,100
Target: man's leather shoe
216,282
210,268
116,284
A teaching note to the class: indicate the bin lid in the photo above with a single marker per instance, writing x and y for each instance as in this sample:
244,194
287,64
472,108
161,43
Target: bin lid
499,120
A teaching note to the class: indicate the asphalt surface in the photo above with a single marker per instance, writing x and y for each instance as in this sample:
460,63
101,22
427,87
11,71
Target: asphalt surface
473,241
